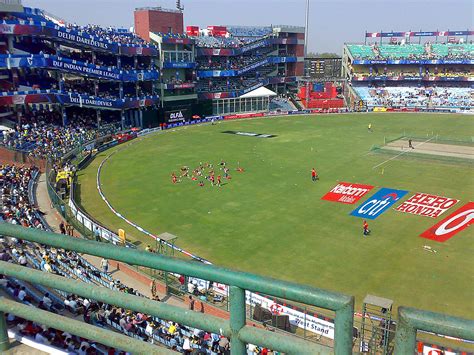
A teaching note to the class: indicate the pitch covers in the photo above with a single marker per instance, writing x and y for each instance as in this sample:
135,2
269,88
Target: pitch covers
345,192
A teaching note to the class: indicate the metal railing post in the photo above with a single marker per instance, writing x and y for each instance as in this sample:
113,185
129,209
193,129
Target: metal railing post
405,337
410,320
343,325
4,341
237,319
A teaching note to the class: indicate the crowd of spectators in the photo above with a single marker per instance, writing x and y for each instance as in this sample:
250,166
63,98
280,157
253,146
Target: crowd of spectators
109,61
16,208
226,84
423,96
249,31
41,134
236,62
105,33
427,51
415,72
223,42
108,33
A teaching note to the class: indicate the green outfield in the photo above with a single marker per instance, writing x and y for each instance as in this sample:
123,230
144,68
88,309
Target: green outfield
271,220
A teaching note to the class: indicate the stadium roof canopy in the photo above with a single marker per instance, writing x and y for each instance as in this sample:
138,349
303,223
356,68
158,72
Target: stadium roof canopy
260,92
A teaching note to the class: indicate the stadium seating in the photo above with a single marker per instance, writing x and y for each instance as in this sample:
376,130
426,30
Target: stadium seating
41,134
16,208
421,97
249,31
412,51
281,104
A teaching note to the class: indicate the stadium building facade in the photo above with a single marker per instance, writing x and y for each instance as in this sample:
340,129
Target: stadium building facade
47,63
411,70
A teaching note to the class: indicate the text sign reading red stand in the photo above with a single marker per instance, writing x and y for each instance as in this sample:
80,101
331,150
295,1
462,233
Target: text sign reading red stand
345,192
452,224
427,205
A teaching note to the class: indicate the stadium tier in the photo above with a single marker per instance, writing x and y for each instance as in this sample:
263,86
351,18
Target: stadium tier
46,61
70,92
401,73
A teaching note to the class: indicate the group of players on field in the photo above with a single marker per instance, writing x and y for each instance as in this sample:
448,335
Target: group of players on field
205,172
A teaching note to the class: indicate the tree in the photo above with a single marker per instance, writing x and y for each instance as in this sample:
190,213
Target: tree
322,55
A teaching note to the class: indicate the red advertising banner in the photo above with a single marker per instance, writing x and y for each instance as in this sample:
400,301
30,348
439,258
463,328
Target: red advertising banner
427,205
345,192
454,223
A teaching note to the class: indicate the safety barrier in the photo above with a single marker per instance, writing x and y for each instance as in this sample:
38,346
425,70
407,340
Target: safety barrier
410,320
236,329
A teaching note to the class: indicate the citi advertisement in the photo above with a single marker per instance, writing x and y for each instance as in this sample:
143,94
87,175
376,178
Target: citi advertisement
426,205
345,192
378,203
451,225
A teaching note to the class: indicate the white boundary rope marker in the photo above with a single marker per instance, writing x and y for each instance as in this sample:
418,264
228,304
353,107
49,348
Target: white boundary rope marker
406,151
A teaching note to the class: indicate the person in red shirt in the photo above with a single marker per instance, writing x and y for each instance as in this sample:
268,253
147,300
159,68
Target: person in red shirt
366,228
219,180
314,174
174,178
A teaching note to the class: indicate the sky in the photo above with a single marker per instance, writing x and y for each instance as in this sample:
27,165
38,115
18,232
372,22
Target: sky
332,22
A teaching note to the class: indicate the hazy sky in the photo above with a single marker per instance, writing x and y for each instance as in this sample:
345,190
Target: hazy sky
332,22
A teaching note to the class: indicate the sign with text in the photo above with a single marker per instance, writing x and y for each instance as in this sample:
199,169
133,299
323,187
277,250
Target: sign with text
345,192
427,205
451,225
378,203
177,116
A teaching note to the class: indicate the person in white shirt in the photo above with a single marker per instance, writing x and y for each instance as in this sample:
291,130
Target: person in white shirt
104,264
149,328
39,338
86,303
22,260
186,345
47,301
22,294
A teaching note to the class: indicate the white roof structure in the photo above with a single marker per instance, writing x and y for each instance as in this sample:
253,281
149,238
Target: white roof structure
262,91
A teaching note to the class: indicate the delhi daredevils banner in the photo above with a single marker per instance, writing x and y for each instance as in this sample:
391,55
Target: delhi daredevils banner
345,192
451,225
426,205
60,33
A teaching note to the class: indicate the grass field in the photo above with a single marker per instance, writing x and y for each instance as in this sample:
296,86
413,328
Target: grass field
271,219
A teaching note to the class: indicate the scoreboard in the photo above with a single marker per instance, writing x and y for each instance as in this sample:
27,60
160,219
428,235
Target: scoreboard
320,68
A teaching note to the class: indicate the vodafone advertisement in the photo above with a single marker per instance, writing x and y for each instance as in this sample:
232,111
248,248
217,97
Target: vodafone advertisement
427,205
451,225
345,192
427,350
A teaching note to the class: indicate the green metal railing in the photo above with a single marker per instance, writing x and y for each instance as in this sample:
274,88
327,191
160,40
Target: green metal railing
102,336
236,329
410,320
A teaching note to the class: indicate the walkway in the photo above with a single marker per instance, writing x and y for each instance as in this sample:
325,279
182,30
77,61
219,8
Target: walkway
53,218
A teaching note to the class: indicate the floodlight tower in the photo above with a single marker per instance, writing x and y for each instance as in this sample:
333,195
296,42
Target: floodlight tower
306,69
306,29
178,6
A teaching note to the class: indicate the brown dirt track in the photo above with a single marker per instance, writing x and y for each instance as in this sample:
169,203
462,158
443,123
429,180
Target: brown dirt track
440,149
